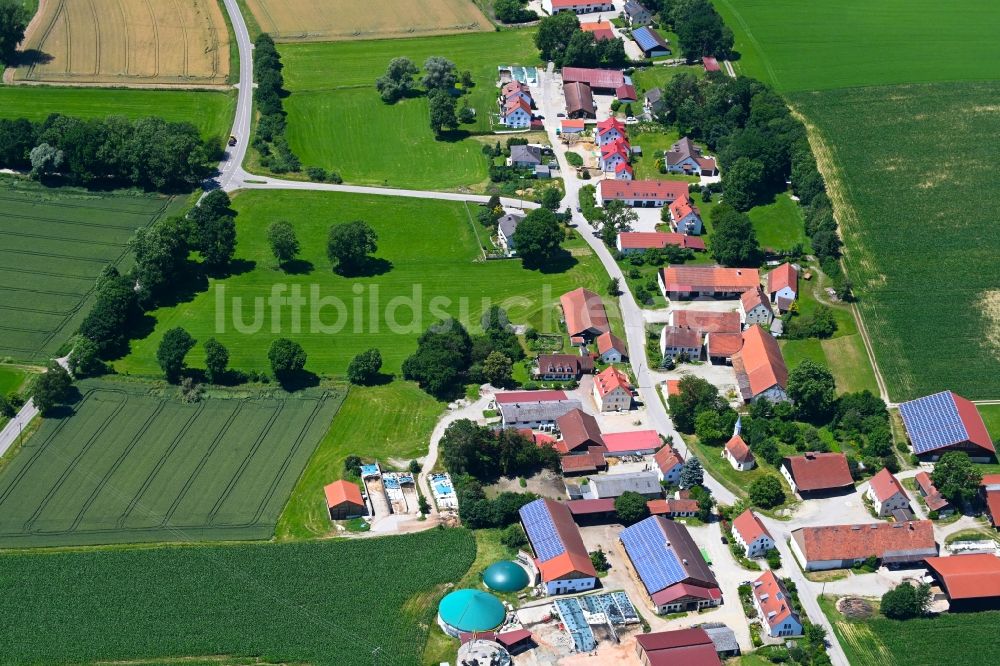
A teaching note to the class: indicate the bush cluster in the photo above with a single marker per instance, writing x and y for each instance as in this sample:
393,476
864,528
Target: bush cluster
270,139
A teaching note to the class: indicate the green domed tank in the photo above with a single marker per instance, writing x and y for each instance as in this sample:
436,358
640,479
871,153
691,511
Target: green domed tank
470,610
505,576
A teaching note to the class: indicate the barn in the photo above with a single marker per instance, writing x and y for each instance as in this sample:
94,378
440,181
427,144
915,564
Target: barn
946,422
343,499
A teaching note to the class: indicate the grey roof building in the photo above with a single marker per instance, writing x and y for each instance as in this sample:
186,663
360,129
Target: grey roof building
613,485
535,414
525,155
723,638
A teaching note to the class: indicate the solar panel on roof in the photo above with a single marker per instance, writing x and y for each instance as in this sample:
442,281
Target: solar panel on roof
541,530
933,422
645,39
653,559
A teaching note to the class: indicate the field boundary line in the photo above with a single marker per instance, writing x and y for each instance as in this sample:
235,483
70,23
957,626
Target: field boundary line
114,467
320,403
97,38
125,28
75,460
201,465
153,473
235,478
81,241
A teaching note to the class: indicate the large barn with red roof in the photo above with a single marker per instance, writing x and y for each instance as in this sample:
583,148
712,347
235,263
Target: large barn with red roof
971,582
946,422
560,554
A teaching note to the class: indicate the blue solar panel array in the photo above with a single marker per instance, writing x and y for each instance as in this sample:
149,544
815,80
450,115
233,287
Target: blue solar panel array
541,530
645,38
655,562
933,422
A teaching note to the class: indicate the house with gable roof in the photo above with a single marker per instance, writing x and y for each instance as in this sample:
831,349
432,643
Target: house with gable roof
610,130
612,390
624,171
516,113
611,348
761,373
738,454
561,557
886,493
685,157
685,218
755,308
669,462
615,153
751,534
945,422
774,607
783,286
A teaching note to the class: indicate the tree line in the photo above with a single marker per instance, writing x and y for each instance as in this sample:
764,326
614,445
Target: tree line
270,139
151,153
698,26
561,40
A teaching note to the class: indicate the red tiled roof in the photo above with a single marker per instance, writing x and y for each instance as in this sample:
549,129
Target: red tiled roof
759,364
885,485
608,124
783,276
724,344
578,429
973,422
738,449
673,387
750,527
990,480
659,190
820,471
515,103
610,379
596,78
682,207
708,278
573,124
754,297
583,311
646,240
665,640
993,506
608,341
339,492
710,64
635,440
706,163
626,93
707,321
617,147
582,507
601,30
510,397
559,363
513,88
670,506
856,542
681,590
575,560
934,500
674,336
591,461
973,576
667,458
773,598
623,166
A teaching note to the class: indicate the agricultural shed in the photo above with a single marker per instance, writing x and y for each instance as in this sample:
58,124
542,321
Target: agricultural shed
343,499
972,582
945,422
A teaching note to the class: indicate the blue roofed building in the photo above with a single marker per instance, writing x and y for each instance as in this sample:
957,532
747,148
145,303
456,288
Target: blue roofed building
946,422
670,566
560,554
651,42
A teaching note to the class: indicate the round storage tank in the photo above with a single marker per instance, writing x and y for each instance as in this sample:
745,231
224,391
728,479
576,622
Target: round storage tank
505,576
470,610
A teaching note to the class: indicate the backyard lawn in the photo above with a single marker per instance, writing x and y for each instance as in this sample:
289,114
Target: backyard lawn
336,119
779,225
425,268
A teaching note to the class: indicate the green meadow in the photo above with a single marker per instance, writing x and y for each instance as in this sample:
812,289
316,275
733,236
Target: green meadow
824,44
210,112
428,256
336,119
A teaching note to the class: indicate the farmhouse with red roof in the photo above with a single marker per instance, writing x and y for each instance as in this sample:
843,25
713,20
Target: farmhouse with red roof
641,193
676,342
614,153
669,462
673,507
721,347
609,131
612,390
562,367
600,29
632,442
774,607
886,493
584,314
631,242
817,473
515,112
685,218
690,647
579,431
680,282
934,500
783,285
750,533
755,308
623,171
344,501
611,348
843,546
990,488
761,373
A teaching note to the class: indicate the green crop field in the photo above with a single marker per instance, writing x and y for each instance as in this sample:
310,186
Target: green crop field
919,227
210,112
54,244
336,119
427,254
320,603
128,466
882,642
11,379
991,416
825,44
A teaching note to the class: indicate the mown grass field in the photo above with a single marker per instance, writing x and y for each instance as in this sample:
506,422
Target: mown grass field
991,416
210,112
912,172
827,44
54,244
125,466
128,42
336,119
949,638
779,225
321,603
11,379
393,421
301,20
427,253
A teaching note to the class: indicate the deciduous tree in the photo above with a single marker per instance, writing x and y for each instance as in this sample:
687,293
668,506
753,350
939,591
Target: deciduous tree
284,244
397,81
216,360
812,389
13,21
349,245
442,111
734,241
286,357
956,477
51,388
364,368
631,507
174,346
766,492
537,237
439,74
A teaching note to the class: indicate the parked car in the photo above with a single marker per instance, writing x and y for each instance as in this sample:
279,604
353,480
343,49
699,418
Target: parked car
560,115
631,120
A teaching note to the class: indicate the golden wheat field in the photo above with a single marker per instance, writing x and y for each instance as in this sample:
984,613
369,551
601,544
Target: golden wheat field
127,42
330,20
